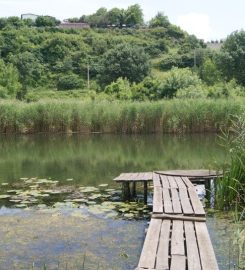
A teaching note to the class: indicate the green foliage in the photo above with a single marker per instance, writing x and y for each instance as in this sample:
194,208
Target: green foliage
146,90
69,82
160,20
177,116
124,61
231,60
192,91
9,80
46,21
177,79
120,89
116,17
30,68
209,72
230,192
134,15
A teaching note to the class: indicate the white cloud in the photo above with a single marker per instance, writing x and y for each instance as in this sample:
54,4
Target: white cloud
197,24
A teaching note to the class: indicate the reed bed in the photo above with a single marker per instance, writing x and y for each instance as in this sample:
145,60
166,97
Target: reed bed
168,116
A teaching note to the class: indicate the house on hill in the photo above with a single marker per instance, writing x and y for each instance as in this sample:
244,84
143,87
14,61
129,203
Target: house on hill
31,16
69,25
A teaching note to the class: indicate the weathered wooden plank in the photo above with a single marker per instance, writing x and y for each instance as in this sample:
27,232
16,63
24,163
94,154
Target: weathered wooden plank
193,259
163,247
120,177
164,180
187,182
175,201
180,183
177,241
185,202
157,200
195,202
178,262
172,182
167,203
148,176
148,254
178,217
156,180
193,173
207,255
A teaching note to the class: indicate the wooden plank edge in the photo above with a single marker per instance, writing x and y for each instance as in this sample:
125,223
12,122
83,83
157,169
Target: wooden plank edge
179,217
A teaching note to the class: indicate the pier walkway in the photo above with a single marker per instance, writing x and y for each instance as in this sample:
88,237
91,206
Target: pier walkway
177,237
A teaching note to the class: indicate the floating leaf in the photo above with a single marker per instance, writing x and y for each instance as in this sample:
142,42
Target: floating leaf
103,185
4,196
129,215
21,205
79,200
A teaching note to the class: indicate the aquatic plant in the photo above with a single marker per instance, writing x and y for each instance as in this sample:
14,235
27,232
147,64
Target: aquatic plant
167,116
230,189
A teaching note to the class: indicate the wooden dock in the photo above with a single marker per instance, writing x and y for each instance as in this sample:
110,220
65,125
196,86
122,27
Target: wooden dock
177,237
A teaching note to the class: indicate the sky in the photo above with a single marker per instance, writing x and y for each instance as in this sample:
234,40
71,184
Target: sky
207,19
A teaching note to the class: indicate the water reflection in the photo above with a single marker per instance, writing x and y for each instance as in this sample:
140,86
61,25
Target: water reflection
91,160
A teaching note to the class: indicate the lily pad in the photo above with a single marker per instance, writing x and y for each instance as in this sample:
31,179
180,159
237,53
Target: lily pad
103,185
79,200
88,189
129,215
21,205
4,196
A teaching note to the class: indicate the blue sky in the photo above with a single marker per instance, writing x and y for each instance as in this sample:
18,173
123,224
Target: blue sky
207,19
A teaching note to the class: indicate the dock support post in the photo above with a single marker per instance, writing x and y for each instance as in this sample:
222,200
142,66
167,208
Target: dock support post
134,189
125,191
145,192
208,190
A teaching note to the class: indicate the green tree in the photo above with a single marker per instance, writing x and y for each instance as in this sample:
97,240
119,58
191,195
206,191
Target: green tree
160,20
43,21
99,18
69,82
30,68
116,17
9,80
124,61
209,72
134,15
177,79
231,60
120,89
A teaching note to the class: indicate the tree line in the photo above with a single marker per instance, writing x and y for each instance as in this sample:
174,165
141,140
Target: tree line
121,63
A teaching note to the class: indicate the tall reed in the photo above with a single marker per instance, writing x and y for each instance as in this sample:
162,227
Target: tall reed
230,190
175,116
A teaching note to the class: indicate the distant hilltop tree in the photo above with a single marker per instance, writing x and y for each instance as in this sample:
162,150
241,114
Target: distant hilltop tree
160,20
115,17
49,21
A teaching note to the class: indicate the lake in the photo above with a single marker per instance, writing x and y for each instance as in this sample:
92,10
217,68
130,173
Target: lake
61,210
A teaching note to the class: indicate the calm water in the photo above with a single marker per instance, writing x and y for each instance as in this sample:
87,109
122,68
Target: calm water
80,236
91,160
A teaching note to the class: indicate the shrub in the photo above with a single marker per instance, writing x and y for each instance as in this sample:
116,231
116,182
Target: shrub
120,89
69,82
192,92
177,79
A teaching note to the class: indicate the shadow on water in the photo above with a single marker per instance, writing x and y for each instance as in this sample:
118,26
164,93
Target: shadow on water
55,212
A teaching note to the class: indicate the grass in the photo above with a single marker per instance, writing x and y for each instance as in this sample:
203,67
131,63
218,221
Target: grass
230,190
175,116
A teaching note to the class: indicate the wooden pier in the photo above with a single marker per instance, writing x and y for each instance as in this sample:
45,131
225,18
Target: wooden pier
177,237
